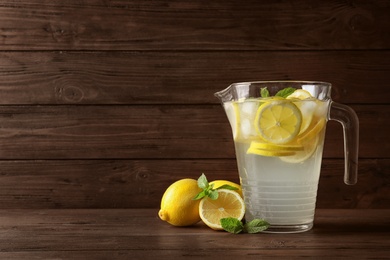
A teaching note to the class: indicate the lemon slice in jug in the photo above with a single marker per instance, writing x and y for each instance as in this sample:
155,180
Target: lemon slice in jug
300,94
278,121
308,150
309,142
267,149
232,112
306,104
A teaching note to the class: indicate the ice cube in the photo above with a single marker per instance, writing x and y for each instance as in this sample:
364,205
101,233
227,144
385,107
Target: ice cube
249,108
246,128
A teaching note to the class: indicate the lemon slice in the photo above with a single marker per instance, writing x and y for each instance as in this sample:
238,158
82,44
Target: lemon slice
272,147
228,204
278,121
309,141
300,94
267,149
307,107
233,115
313,132
269,153
301,156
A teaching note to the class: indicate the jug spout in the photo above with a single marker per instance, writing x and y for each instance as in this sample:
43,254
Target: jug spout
224,95
236,91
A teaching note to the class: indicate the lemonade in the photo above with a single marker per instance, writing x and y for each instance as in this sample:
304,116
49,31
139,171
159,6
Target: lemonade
278,129
279,143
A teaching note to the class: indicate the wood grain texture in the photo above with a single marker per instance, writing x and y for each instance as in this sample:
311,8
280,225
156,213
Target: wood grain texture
186,131
268,253
139,234
182,77
183,25
105,103
141,183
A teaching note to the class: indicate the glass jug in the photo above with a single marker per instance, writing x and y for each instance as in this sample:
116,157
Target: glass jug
279,130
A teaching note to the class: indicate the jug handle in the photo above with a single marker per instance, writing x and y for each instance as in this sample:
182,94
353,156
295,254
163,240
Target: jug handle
350,122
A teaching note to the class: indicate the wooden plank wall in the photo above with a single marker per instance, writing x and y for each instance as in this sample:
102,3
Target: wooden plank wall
104,103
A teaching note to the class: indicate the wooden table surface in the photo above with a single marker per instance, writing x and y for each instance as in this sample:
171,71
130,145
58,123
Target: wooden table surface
139,234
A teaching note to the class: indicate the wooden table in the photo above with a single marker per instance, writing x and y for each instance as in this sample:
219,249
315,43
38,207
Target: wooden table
139,234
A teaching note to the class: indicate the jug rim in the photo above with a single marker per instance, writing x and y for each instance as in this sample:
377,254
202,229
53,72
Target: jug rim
243,90
316,82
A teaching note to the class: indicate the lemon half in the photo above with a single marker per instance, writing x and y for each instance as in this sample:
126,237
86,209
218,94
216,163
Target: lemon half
228,204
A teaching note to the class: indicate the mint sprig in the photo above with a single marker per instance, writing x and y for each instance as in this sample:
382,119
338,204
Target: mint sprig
232,225
235,226
256,226
285,92
264,93
208,189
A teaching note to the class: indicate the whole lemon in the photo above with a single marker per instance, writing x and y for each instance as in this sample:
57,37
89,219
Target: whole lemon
177,205
219,183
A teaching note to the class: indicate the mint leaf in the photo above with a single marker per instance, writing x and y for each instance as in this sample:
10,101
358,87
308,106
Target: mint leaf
202,182
227,186
285,92
256,226
264,92
200,195
208,189
205,186
232,225
213,194
235,226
